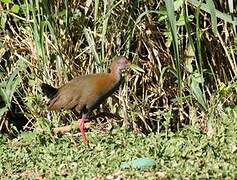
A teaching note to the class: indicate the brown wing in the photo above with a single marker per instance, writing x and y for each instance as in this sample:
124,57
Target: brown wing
68,96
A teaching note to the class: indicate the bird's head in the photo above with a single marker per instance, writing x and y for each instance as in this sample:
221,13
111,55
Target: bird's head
119,64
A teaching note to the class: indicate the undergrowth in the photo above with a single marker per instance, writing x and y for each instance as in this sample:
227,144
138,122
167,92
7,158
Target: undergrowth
187,153
183,57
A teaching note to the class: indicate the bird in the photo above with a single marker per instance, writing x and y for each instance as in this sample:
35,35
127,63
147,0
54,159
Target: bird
85,93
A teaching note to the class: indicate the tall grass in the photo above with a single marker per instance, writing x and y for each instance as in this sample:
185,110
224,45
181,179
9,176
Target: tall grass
65,39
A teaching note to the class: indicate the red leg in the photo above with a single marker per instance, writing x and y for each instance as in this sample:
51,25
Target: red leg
82,129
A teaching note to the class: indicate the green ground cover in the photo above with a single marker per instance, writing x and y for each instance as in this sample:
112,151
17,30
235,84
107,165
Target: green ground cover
185,153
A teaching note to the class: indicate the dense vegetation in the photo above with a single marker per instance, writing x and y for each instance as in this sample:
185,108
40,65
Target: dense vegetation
177,108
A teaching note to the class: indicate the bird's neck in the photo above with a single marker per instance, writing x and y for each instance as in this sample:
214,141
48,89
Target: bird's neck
116,74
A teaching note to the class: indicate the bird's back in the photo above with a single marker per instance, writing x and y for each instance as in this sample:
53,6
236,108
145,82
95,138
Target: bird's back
84,92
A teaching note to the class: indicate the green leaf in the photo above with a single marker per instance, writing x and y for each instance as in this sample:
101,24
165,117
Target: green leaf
189,68
136,68
3,110
172,22
6,1
8,88
219,14
28,136
3,20
212,8
15,8
231,6
196,81
178,4
91,42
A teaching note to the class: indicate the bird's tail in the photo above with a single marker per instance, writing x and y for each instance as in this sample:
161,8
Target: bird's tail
48,90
